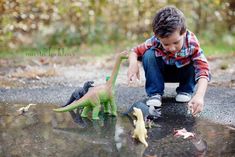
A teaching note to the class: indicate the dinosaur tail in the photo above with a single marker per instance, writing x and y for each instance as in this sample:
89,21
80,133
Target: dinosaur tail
72,106
127,112
71,99
141,105
142,140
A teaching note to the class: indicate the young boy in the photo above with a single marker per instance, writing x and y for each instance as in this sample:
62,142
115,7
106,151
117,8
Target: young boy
173,54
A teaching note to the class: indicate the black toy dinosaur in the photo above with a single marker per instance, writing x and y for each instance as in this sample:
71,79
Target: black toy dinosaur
147,113
77,94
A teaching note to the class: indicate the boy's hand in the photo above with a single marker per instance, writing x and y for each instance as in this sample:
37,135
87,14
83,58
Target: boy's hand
196,104
133,74
133,70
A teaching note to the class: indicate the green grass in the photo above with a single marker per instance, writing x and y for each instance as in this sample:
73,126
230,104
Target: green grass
98,50
11,53
94,50
218,49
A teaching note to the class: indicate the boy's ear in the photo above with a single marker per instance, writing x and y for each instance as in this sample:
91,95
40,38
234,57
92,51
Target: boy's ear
184,34
155,34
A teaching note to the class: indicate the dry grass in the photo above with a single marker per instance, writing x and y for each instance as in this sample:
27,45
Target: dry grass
34,72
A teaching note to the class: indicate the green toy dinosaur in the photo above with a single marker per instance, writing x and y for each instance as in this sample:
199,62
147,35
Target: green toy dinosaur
102,94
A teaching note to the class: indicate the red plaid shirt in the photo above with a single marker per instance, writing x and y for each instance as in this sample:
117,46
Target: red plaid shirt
190,52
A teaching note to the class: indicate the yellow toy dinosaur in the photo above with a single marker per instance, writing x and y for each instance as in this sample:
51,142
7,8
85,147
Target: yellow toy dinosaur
140,131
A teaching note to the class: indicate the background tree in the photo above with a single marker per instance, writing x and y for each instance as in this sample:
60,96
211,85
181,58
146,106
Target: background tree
40,23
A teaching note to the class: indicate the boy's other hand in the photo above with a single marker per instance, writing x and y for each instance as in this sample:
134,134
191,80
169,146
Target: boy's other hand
134,81
133,75
196,105
133,70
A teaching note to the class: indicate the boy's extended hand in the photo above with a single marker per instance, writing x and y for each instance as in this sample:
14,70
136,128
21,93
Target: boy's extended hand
196,105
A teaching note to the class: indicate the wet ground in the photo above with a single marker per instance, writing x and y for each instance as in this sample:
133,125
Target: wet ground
49,82
41,132
219,101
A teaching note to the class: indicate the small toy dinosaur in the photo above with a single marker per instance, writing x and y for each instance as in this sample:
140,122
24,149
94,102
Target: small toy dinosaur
102,94
22,110
140,131
76,95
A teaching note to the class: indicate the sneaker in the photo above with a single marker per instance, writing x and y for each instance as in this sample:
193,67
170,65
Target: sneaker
183,97
154,113
155,100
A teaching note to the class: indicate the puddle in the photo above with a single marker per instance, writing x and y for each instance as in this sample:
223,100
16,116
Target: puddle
41,132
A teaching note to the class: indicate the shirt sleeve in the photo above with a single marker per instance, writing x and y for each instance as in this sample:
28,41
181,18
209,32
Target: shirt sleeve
142,48
199,60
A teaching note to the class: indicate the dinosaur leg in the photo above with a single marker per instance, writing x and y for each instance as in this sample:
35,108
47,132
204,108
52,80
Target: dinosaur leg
73,114
113,107
134,134
95,112
134,122
106,108
78,119
86,111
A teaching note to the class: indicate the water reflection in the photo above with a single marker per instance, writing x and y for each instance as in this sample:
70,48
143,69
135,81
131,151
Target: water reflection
41,132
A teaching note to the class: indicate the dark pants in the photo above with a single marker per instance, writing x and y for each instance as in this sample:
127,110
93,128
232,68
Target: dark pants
157,73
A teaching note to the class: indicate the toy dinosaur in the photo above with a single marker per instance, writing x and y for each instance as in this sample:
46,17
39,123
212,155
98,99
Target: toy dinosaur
76,95
22,110
102,94
140,131
79,92
147,113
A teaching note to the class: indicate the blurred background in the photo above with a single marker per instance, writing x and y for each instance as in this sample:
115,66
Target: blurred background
106,26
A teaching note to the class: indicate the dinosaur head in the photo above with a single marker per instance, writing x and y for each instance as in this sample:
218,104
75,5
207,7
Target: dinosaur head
88,84
138,113
124,55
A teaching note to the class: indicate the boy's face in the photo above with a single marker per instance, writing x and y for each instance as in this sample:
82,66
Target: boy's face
173,43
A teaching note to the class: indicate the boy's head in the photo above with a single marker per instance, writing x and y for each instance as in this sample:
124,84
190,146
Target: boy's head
167,21
169,26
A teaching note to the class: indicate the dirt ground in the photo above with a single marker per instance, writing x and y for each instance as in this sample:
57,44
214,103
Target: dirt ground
33,72
51,80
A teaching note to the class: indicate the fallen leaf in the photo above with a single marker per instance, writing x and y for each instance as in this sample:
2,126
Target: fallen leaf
183,132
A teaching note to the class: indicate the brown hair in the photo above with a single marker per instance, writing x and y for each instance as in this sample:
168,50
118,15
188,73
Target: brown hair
167,20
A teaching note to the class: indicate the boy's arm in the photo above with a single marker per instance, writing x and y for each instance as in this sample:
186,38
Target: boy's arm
141,48
138,51
202,75
199,60
133,70
196,104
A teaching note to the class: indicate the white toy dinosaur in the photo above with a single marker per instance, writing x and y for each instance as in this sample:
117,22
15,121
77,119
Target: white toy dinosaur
140,131
24,109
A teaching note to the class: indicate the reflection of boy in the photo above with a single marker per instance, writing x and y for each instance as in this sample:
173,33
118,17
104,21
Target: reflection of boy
173,54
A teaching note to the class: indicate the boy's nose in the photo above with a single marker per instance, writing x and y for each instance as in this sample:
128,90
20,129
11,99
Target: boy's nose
172,49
